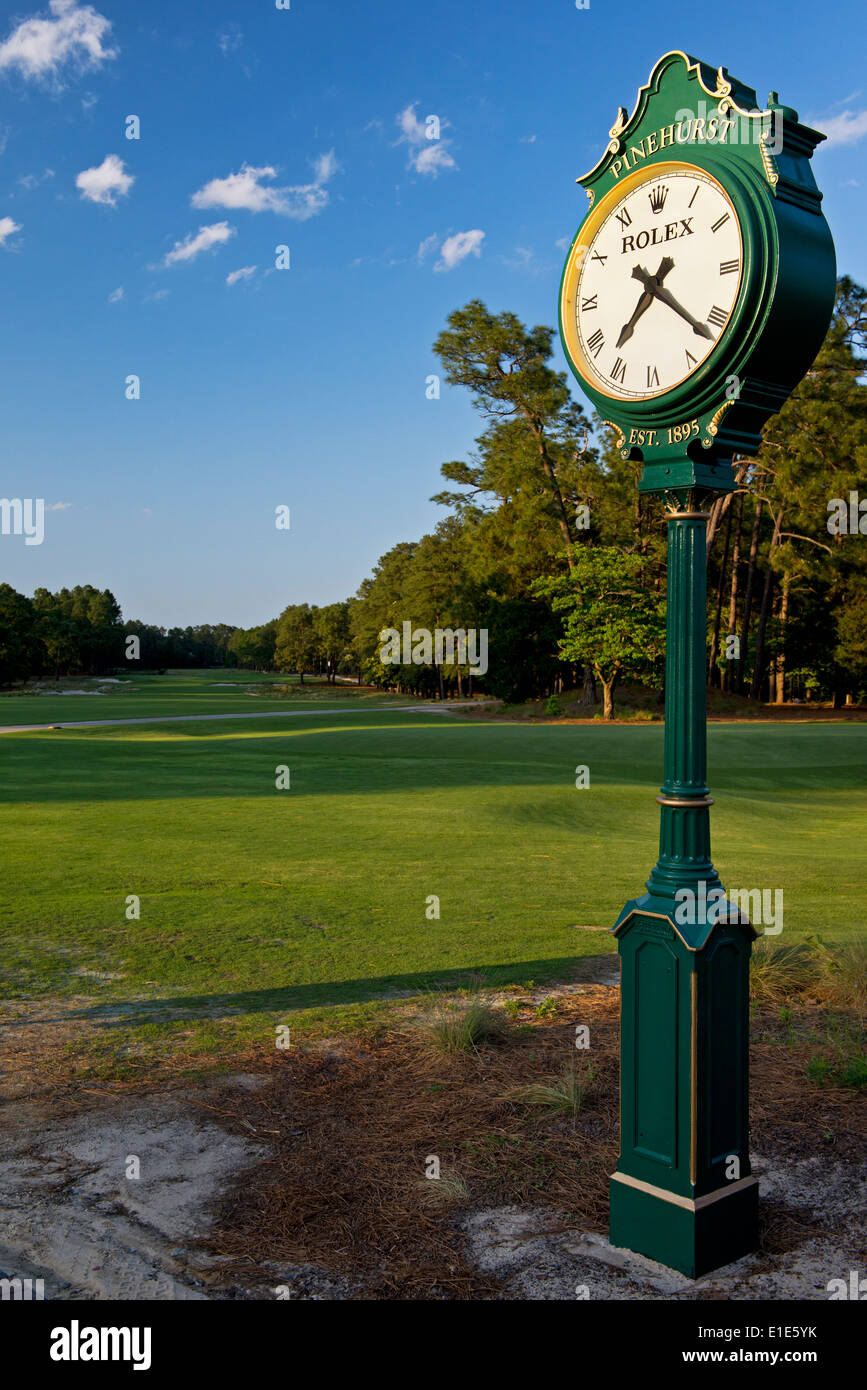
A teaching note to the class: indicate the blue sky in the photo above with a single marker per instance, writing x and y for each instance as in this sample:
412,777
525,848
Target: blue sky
305,386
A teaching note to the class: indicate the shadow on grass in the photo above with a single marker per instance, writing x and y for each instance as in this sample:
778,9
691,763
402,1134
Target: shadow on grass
556,969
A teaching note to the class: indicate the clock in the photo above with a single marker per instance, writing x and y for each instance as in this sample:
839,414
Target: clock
700,283
651,285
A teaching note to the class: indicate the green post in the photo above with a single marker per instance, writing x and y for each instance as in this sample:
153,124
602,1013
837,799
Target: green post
684,828
683,1192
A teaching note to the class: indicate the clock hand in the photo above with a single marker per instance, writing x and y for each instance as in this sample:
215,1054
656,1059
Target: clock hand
645,300
641,307
666,297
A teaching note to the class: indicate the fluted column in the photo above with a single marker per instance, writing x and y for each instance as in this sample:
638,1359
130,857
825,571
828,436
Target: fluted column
684,829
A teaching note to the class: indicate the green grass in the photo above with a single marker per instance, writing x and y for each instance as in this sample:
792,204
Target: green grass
256,903
177,692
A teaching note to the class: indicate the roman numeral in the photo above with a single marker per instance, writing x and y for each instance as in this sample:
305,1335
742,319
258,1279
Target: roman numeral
618,371
693,198
717,316
652,376
595,343
719,222
690,360
589,304
624,219
596,257
729,267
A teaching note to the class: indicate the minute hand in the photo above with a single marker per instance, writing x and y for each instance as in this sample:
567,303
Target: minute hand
661,293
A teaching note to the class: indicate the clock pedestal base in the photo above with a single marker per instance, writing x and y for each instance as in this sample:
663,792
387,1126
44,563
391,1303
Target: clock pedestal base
683,1192
695,1239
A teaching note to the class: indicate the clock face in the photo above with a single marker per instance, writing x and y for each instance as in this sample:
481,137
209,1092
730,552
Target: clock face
653,283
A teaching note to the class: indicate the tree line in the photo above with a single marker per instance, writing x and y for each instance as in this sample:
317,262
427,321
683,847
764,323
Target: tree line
549,547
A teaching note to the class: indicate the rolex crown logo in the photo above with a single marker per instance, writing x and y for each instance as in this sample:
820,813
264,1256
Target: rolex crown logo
658,197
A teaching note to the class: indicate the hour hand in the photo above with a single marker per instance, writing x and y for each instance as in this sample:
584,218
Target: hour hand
646,299
641,307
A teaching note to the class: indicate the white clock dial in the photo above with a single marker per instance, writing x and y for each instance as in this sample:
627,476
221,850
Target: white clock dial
658,283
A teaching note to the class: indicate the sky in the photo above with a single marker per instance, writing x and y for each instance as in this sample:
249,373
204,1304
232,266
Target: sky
298,378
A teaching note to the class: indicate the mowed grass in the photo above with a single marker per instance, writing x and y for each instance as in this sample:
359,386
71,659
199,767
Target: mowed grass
178,692
257,902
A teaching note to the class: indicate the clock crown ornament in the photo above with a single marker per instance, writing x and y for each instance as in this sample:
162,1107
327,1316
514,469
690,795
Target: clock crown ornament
700,283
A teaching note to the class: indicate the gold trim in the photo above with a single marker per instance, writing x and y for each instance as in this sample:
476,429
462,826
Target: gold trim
578,255
693,1081
723,87
686,516
674,801
620,124
714,425
721,922
622,440
688,1203
770,172
726,101
639,912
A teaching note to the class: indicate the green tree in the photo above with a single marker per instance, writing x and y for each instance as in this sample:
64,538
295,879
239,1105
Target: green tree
17,640
333,635
296,639
535,426
610,619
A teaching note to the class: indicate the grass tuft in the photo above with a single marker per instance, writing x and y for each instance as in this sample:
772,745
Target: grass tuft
462,1029
448,1190
565,1095
780,973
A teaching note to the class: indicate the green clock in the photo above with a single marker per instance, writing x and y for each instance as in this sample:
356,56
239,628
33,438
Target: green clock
701,282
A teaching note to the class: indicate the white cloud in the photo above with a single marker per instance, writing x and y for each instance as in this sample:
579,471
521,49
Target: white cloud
7,228
846,129
428,246
246,190
325,166
203,240
456,249
116,295
522,259
31,181
106,182
433,159
562,243
426,156
74,35
230,38
528,140
58,507
243,274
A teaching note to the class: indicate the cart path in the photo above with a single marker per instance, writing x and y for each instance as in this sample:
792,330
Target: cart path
443,708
